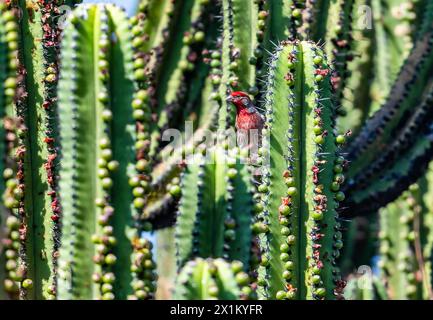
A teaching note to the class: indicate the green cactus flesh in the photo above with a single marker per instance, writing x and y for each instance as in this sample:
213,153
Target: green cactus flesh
32,115
211,279
405,246
215,210
88,171
100,236
11,276
299,205
386,120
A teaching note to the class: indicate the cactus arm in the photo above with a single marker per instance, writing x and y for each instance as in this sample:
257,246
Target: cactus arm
38,59
404,234
403,140
78,129
427,18
356,102
339,46
381,57
85,133
69,180
395,250
3,77
10,125
320,12
166,253
235,50
229,288
242,203
211,201
188,209
208,279
245,13
32,61
158,15
215,209
399,177
225,116
152,26
318,97
280,17
405,95
295,88
172,82
122,89
277,143
39,38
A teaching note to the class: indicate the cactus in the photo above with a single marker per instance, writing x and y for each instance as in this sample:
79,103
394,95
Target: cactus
412,137
216,210
405,245
31,58
90,169
398,260
211,279
300,185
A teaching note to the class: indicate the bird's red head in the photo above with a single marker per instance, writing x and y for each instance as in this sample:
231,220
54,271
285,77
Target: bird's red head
240,99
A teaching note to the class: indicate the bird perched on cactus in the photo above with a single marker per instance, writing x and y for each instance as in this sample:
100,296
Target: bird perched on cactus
249,121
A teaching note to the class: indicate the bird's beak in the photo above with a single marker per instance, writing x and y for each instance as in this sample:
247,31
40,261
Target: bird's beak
229,99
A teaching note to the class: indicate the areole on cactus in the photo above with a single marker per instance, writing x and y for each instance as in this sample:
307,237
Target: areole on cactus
115,127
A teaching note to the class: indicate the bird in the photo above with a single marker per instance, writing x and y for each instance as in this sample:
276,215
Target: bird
247,115
249,122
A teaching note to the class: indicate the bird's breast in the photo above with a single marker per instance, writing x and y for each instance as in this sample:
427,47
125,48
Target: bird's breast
247,121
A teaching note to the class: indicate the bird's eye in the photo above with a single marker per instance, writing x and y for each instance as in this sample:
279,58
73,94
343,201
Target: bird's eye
245,101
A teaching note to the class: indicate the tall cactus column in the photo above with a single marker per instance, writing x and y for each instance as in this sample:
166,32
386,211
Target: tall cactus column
300,186
36,39
102,253
210,279
12,192
215,211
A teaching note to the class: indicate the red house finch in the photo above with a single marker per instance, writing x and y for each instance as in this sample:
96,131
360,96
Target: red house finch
249,122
